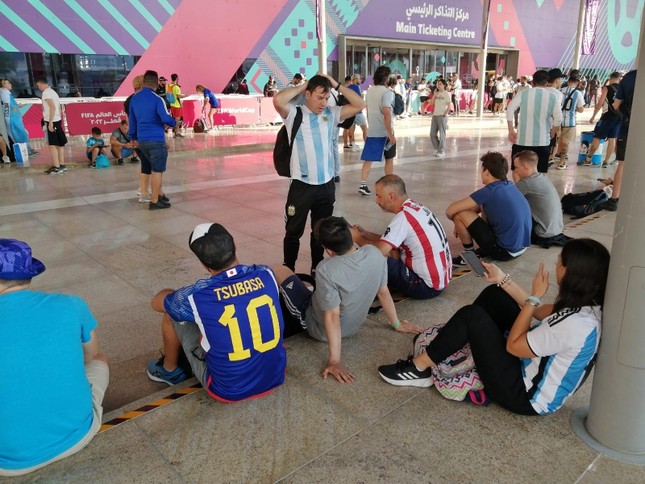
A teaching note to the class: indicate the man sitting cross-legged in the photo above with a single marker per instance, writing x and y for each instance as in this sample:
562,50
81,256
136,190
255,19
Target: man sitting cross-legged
53,375
543,198
415,243
346,284
496,216
229,325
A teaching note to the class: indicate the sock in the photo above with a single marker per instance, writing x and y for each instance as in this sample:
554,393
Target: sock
468,246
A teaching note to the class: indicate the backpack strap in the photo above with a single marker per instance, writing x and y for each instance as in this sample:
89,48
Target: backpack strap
297,121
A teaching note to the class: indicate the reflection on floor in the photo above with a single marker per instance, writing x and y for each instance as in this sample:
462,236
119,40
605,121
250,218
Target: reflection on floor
100,244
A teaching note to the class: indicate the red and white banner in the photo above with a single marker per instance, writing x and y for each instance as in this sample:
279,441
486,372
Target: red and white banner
82,117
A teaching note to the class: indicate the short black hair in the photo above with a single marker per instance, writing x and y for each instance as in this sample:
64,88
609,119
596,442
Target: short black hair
96,130
381,74
348,78
151,77
333,233
298,76
496,164
173,77
540,78
319,81
41,80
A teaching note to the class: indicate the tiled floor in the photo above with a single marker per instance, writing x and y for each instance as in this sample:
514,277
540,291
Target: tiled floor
99,243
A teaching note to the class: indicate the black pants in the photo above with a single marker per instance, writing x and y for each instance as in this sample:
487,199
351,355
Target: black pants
302,199
483,324
542,152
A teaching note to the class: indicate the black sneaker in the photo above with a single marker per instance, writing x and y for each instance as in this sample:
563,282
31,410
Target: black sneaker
158,206
336,179
458,262
611,205
363,190
134,159
120,161
52,170
164,198
404,374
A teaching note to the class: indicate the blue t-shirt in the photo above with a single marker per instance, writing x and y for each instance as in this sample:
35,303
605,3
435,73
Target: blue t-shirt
45,398
148,116
356,89
212,100
508,214
94,141
238,314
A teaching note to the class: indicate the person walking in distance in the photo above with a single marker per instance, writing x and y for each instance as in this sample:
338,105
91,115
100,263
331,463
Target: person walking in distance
441,104
380,142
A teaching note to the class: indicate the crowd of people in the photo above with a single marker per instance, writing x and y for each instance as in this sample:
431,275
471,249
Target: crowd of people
228,328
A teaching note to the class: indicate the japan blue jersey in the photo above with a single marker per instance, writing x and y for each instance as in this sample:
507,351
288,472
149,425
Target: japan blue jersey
239,317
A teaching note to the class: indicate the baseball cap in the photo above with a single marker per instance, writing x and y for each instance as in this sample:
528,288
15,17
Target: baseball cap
16,261
162,78
213,245
554,74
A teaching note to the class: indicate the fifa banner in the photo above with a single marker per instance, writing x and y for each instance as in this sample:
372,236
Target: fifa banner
592,9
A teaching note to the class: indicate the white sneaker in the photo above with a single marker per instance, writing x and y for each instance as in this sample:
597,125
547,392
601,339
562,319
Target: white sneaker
5,159
356,148
145,199
440,154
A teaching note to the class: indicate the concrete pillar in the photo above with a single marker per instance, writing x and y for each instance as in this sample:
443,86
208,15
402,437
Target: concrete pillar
614,422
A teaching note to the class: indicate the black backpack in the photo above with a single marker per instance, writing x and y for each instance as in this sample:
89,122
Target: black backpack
399,104
582,204
283,148
347,123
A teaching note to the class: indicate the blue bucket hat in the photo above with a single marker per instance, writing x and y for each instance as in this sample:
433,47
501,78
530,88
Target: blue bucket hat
16,261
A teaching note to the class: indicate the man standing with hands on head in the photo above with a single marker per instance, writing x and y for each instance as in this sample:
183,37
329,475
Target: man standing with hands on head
148,117
312,165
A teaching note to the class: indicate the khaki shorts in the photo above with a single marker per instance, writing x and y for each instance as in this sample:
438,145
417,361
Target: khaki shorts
98,374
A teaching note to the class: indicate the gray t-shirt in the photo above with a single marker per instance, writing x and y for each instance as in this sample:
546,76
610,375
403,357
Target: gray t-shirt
378,97
544,201
350,281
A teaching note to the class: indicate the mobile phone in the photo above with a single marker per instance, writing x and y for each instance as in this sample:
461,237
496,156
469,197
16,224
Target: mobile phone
473,262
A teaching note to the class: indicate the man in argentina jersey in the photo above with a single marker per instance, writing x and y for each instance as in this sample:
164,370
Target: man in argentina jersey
312,164
565,343
572,104
230,325
540,116
415,243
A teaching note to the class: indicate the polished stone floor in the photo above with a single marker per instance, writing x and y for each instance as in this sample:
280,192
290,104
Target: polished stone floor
100,244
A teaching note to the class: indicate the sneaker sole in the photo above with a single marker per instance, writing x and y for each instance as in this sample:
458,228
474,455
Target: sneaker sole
419,382
364,194
160,380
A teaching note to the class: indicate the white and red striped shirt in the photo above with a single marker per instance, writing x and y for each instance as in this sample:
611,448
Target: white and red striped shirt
423,243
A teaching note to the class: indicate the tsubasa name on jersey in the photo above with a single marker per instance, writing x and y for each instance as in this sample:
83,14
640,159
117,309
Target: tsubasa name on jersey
239,288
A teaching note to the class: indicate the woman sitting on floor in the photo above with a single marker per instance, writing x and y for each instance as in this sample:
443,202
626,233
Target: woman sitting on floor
537,367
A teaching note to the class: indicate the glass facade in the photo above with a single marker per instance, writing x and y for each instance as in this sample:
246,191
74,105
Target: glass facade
418,60
69,74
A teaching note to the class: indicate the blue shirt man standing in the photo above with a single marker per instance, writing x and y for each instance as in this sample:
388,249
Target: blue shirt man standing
148,118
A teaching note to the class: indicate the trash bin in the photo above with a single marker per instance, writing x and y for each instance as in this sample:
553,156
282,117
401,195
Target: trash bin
586,138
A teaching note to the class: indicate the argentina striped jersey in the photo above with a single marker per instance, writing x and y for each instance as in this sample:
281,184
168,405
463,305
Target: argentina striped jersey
565,344
539,111
312,159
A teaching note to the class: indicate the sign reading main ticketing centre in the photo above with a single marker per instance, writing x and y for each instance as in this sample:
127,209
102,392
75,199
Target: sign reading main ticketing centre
458,21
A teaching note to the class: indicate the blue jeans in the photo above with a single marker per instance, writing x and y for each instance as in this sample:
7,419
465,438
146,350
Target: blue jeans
156,153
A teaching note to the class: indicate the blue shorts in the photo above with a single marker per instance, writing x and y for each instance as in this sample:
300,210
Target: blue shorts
403,280
156,153
359,120
607,129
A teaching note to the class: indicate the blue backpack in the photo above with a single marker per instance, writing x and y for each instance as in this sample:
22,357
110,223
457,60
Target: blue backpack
102,161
